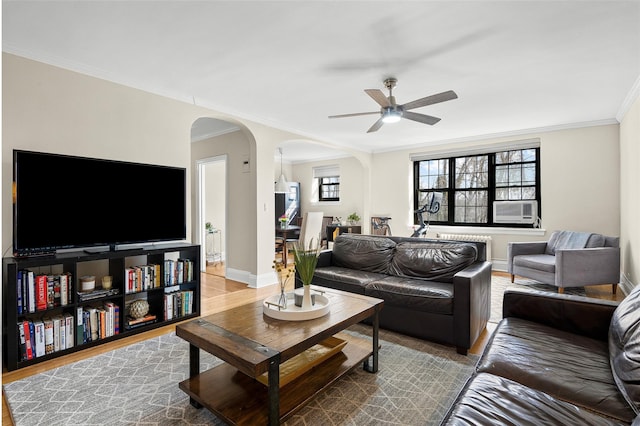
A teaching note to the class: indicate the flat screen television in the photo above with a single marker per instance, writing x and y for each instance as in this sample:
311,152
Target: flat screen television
68,202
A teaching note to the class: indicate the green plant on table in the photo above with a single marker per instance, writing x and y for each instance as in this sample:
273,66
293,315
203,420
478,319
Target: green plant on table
306,259
353,217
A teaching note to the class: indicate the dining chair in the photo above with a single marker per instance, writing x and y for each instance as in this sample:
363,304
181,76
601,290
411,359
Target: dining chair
311,228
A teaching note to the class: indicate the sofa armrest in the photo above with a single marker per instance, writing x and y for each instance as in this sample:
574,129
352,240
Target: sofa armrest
576,267
324,258
516,249
472,303
576,314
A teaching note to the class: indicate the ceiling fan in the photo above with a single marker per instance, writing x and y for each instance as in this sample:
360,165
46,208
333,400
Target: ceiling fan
390,112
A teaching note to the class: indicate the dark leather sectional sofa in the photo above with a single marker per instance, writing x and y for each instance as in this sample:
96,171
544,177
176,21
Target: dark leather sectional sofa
557,359
432,289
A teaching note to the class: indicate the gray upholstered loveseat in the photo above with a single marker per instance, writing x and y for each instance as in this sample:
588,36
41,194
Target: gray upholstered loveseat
435,290
556,359
568,259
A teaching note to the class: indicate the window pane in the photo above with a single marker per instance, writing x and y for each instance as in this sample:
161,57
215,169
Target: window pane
482,198
515,173
443,214
471,206
472,172
433,174
515,193
528,193
502,194
502,157
502,175
528,155
528,174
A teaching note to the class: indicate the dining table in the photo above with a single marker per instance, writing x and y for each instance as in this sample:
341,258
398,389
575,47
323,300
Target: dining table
287,232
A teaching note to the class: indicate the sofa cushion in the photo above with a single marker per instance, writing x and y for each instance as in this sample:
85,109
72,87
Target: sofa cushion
543,262
437,260
596,240
624,347
566,240
492,400
344,279
362,252
564,365
428,296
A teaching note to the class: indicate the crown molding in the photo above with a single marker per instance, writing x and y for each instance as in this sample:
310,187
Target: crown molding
631,97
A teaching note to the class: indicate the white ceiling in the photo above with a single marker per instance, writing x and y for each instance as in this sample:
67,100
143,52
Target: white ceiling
515,65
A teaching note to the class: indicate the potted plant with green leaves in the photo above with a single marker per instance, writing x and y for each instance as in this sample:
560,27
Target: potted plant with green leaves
353,218
306,259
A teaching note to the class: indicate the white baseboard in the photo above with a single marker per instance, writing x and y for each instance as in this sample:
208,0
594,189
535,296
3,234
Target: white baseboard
625,283
499,265
251,280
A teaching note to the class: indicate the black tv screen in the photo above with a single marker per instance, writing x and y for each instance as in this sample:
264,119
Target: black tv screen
63,201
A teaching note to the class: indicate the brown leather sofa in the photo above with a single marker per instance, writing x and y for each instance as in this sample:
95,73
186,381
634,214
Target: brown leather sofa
556,359
435,290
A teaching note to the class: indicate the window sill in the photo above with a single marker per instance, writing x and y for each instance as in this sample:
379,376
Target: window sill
326,203
486,230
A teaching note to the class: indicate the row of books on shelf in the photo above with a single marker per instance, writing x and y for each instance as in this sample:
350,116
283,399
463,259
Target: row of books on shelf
178,304
39,292
177,271
141,278
145,277
98,322
40,337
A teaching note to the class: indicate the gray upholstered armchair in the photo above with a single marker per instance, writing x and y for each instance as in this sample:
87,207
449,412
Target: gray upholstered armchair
568,259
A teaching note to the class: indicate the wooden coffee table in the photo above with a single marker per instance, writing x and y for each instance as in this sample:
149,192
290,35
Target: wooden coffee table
252,343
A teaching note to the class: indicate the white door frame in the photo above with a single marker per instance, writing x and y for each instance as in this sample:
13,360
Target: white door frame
201,203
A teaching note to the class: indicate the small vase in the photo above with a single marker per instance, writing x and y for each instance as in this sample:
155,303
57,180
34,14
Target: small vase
282,301
306,297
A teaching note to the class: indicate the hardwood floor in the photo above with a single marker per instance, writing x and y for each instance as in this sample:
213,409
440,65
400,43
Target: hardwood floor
218,294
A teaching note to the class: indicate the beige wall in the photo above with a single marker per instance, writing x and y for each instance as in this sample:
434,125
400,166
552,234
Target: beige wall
53,110
352,188
630,194
579,183
50,109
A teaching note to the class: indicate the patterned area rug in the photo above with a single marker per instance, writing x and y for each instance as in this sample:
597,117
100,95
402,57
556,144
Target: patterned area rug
138,385
499,284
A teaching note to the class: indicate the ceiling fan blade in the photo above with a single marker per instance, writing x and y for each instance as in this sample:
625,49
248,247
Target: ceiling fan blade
430,100
378,96
376,126
355,114
421,118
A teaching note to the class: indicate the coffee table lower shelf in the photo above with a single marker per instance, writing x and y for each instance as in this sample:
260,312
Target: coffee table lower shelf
239,399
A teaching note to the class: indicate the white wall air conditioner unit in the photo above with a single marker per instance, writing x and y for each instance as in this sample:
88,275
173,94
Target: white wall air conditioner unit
525,211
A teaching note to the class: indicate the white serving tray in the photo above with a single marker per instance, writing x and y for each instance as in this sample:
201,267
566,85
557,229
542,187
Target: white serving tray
292,312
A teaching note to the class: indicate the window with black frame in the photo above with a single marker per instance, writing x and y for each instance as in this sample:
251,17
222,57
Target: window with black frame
329,189
471,183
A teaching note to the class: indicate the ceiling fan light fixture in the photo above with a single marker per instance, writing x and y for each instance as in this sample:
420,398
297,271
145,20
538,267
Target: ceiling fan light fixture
391,116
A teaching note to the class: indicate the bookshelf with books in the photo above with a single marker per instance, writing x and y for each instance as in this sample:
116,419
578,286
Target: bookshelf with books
49,313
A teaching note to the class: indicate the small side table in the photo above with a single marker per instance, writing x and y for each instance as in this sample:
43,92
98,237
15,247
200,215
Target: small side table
341,229
213,256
